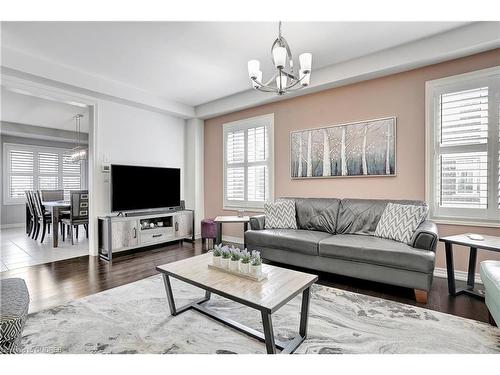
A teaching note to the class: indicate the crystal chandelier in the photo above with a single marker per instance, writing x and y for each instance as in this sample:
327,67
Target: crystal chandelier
285,78
79,152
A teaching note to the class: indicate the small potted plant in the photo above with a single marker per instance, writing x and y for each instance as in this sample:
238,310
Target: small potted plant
234,263
246,257
225,256
256,264
216,255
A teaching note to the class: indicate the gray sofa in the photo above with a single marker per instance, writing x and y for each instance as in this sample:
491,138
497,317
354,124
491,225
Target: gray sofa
336,236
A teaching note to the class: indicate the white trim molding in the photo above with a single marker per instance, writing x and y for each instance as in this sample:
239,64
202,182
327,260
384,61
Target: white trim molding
459,275
13,225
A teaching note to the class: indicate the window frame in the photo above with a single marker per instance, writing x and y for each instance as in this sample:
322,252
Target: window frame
7,147
490,216
245,124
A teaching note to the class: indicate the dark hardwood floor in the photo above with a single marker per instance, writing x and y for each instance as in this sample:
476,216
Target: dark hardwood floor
54,283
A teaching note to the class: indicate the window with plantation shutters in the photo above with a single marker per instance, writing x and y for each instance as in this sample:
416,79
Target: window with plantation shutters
29,167
463,135
248,162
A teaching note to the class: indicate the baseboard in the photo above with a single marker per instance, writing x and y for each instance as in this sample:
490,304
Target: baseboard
15,225
237,240
438,272
459,275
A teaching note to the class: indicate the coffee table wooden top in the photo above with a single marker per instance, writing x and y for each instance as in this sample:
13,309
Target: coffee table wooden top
489,243
270,294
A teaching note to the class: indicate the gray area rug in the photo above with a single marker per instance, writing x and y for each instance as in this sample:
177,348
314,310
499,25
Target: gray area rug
135,318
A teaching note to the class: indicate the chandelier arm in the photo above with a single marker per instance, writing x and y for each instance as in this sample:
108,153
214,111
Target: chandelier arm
266,89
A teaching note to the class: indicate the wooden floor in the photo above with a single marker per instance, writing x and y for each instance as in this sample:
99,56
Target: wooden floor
54,283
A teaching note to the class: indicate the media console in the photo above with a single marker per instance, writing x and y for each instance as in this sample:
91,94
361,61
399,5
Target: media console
120,233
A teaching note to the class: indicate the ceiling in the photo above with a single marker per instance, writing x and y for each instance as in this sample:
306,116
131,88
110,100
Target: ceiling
198,62
31,110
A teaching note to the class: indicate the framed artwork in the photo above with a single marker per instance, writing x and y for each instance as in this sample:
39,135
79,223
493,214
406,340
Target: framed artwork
357,149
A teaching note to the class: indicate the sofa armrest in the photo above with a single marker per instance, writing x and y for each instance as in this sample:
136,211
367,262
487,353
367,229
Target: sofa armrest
257,222
426,236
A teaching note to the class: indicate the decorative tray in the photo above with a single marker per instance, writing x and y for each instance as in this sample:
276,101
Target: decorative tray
263,275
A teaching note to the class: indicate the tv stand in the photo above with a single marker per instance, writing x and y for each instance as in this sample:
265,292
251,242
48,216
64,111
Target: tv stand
120,233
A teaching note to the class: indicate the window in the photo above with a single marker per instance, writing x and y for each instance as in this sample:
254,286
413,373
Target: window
248,162
463,155
34,167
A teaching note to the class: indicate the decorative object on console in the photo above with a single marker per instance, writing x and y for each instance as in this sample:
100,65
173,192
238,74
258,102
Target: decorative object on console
280,214
364,148
398,222
281,57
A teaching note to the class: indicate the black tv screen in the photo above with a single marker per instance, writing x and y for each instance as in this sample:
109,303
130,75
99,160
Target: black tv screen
141,188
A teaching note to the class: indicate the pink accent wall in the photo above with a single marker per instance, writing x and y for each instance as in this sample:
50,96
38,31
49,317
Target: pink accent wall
401,95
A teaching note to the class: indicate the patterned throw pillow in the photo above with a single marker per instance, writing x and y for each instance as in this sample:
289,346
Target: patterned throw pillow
280,215
398,222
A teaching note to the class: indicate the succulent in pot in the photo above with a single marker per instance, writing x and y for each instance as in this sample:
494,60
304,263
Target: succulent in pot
246,257
234,263
225,256
217,255
256,264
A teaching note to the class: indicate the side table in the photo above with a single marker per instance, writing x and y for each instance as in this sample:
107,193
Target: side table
491,243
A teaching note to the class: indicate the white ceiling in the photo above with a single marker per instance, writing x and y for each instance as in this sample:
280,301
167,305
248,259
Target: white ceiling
31,110
198,62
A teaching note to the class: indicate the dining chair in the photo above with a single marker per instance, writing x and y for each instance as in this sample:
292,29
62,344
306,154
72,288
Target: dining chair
79,213
44,218
31,220
52,195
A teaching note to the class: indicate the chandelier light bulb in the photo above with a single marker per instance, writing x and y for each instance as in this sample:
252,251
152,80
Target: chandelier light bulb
253,68
304,78
305,63
279,55
258,78
281,82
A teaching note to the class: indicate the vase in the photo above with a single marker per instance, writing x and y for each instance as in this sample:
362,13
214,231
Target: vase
234,265
216,260
224,262
244,268
256,271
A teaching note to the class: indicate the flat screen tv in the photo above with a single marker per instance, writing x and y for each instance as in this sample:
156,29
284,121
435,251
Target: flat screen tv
144,188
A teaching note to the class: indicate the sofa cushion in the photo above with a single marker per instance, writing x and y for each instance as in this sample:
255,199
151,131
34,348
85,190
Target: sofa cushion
296,240
317,213
280,215
361,216
380,251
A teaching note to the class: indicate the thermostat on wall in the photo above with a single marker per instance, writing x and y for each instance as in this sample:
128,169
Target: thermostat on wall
106,168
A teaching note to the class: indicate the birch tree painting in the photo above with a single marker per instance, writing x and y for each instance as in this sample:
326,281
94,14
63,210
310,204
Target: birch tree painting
366,148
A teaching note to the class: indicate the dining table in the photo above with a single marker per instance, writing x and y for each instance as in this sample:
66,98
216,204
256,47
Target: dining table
55,208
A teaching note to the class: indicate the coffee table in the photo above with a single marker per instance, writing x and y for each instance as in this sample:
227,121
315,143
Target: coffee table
266,296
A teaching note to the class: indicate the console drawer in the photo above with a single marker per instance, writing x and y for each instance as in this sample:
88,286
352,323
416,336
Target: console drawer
156,235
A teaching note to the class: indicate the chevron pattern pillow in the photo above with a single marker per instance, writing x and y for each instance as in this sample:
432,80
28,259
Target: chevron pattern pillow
398,222
280,215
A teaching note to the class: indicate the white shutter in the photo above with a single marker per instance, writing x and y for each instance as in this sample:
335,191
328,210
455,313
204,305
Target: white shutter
20,172
464,180
248,162
463,132
29,167
464,117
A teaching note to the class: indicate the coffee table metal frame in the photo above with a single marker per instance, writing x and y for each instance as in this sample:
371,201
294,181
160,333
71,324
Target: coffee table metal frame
287,347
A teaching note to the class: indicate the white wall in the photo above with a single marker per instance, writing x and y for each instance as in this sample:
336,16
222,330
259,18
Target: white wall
130,135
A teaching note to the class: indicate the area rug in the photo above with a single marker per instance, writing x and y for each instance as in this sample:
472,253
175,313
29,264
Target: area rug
135,318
